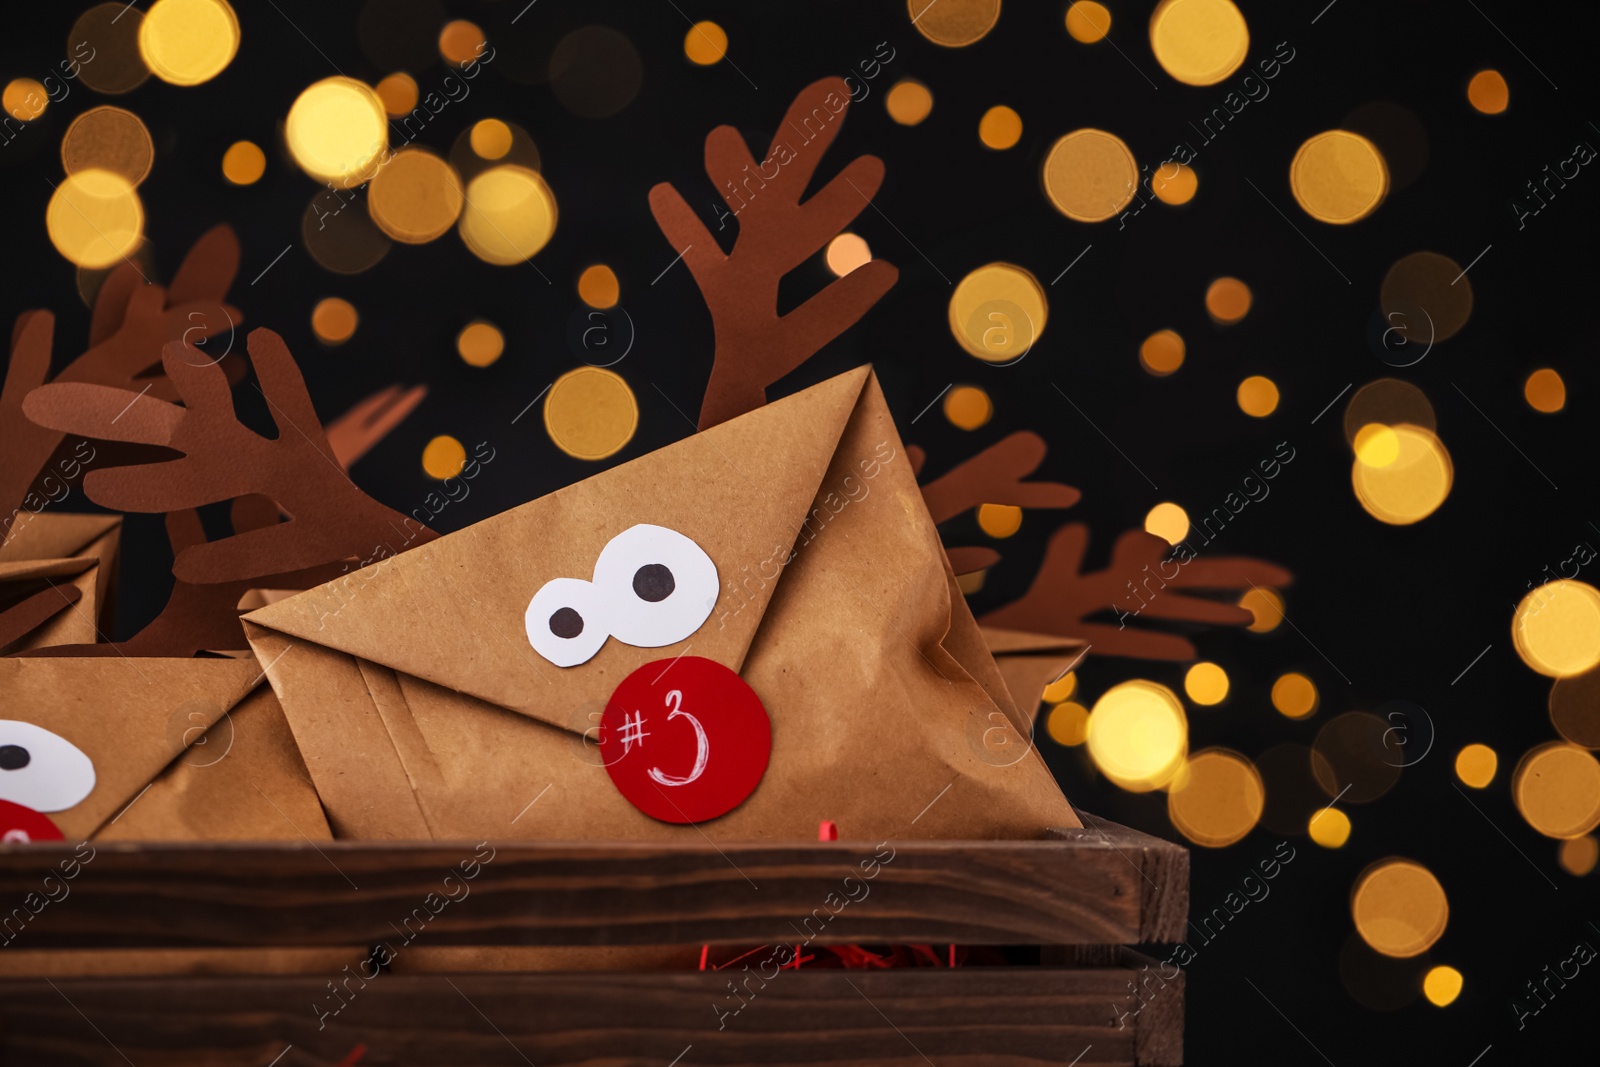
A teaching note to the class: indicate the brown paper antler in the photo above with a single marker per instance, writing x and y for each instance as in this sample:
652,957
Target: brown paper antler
1140,580
330,518
755,346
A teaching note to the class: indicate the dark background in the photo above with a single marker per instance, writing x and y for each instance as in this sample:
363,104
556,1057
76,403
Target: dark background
1400,611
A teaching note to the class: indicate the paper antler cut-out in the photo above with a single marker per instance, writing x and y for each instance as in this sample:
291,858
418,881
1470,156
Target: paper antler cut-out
755,346
1140,580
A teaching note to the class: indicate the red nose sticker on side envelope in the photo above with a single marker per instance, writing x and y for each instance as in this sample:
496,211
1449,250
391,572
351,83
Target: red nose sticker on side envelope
23,824
685,740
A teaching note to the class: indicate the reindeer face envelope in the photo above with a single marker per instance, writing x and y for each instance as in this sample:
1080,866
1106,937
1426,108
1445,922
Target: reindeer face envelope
741,634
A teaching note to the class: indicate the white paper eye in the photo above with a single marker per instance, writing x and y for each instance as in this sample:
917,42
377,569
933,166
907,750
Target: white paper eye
42,770
566,621
658,585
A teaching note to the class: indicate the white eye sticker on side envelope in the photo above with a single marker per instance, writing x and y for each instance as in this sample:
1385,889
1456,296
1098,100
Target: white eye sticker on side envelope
651,587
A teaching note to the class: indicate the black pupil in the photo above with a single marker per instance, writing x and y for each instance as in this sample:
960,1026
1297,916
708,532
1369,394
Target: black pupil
653,582
564,623
13,757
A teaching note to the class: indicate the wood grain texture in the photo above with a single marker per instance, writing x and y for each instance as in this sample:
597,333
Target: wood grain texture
1101,885
1018,1017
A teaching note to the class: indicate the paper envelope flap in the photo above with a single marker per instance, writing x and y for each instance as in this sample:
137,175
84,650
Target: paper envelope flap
1004,641
452,611
129,716
23,570
54,534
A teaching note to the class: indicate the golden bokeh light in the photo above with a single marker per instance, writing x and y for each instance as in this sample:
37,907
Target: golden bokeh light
706,43
846,252
1294,695
590,413
1216,798
1061,689
1376,445
1426,298
398,92
1556,628
1442,985
1339,177
334,320
1329,827
1228,300
337,131
1545,391
1575,708
1068,724
1399,908
1556,787
444,457
1206,683
1488,92
1356,757
95,218
1167,521
1199,42
968,407
416,197
1413,482
110,33
1577,855
491,138
1162,353
1476,765
1090,175
1258,396
510,216
1000,128
1387,402
187,42
595,71
999,520
1088,21
1138,735
244,163
341,237
908,102
460,42
1267,607
998,311
598,287
1175,183
24,99
108,138
953,23
480,343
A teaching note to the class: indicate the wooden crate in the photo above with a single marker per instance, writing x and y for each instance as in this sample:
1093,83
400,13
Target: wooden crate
1082,896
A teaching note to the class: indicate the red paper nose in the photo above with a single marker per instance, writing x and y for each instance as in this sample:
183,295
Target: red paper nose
21,824
685,740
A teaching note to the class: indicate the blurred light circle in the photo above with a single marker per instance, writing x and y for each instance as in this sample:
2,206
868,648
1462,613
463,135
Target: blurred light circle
334,320
968,407
1167,521
1578,855
1387,402
1227,300
244,163
1258,396
953,23
110,34
590,413
999,520
1426,297
705,43
1339,177
1545,391
1206,683
460,42
1442,985
1376,445
1138,735
187,42
491,138
1199,42
1090,175
598,287
1476,765
997,312
1294,695
95,218
1488,92
1399,908
1068,724
398,92
1557,789
415,197
908,102
1216,798
510,215
1162,353
337,130
24,99
1575,707
1329,827
1088,21
1062,689
1556,628
480,343
595,72
444,457
1267,607
470,151
1174,183
340,235
846,252
1409,487
1000,128
1355,761
108,138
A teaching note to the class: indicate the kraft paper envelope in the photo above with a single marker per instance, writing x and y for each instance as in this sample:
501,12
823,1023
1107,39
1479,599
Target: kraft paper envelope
1030,662
48,602
51,535
424,711
153,749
